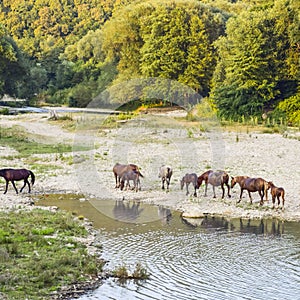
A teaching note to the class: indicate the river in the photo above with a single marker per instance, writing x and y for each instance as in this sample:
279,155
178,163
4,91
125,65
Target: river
208,258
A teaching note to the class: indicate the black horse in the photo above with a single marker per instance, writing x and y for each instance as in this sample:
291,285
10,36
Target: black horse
16,175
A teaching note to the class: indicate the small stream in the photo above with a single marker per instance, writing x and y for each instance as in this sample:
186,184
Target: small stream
209,258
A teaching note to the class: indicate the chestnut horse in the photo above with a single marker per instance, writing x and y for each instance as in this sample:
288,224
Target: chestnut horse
120,169
276,192
218,178
251,185
187,179
16,175
203,177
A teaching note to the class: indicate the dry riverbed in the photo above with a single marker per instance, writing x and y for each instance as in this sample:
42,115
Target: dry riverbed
151,141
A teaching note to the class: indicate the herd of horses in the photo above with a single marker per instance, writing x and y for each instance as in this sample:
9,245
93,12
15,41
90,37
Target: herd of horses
124,173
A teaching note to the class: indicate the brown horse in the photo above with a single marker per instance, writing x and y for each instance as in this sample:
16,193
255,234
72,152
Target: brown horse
276,192
187,179
203,177
131,175
16,175
120,169
251,185
218,178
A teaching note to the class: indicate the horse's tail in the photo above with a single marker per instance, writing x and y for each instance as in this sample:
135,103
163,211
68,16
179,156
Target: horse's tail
32,177
140,174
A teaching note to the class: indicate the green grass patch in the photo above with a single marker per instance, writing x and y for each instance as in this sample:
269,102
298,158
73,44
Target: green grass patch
16,138
38,254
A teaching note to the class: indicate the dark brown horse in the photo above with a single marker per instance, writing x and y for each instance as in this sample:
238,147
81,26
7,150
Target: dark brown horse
16,175
218,178
276,192
251,185
120,169
187,179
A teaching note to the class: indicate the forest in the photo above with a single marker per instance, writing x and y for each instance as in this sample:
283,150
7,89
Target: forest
243,56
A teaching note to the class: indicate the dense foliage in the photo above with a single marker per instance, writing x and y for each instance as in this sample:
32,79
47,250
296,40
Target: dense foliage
243,54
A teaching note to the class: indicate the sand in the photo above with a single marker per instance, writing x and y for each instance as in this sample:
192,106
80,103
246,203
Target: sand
149,142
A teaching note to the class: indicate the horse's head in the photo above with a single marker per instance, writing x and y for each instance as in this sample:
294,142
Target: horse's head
199,181
270,184
233,181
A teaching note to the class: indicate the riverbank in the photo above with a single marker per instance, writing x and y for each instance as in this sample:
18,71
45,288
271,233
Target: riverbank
150,141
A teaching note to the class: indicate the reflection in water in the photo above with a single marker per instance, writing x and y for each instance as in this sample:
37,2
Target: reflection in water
164,214
208,258
259,227
127,211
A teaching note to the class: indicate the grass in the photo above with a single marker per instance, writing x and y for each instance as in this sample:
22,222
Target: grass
38,254
19,140
16,138
139,273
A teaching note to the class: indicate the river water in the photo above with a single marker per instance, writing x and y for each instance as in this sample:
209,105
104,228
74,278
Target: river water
209,258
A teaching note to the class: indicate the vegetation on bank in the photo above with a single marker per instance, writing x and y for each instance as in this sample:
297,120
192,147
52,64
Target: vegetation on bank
243,54
39,254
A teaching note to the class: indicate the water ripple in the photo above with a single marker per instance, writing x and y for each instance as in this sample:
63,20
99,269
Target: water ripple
193,264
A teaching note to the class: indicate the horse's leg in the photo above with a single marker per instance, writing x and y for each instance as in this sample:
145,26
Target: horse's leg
206,184
195,192
223,190
241,194
25,181
168,183
282,196
278,200
13,183
228,190
116,178
163,183
29,189
261,194
187,188
214,191
273,201
250,197
6,186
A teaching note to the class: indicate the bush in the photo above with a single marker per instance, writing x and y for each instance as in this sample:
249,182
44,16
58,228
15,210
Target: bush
291,107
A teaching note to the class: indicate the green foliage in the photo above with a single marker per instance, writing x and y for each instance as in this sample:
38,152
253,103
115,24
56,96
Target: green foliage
255,58
70,52
165,39
291,107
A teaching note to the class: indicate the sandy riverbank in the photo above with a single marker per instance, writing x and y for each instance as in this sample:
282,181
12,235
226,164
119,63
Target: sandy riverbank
151,141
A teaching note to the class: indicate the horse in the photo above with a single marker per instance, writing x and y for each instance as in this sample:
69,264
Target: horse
16,175
187,179
203,177
251,185
130,175
218,178
120,169
276,192
165,173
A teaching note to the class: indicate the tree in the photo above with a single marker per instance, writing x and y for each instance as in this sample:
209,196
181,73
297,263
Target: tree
251,63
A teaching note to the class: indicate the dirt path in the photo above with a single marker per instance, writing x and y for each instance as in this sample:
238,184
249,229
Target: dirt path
149,144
